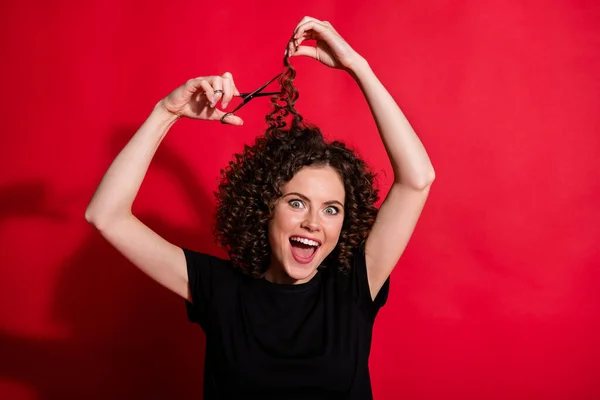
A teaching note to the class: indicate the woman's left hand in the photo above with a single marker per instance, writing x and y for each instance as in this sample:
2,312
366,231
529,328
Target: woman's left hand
331,49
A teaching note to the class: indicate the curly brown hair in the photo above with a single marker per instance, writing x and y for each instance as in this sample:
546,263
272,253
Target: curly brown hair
251,184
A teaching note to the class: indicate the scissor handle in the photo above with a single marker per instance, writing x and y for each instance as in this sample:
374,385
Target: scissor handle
225,116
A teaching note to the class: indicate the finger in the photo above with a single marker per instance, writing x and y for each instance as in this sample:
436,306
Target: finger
308,35
235,91
217,85
227,93
193,85
295,42
214,114
308,51
318,30
303,21
205,86
230,119
295,34
291,47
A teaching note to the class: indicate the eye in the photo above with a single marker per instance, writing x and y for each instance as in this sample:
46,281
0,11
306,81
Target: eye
331,210
296,203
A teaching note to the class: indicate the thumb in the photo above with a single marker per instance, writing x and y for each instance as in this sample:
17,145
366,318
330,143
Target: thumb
231,119
307,51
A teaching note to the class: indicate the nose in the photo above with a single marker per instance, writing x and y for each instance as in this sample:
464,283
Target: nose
311,222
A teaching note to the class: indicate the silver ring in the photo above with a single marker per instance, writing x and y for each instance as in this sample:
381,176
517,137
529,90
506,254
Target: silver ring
218,91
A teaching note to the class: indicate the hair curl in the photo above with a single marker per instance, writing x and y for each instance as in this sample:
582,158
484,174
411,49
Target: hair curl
251,184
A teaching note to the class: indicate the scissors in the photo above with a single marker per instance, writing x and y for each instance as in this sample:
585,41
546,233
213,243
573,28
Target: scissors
246,97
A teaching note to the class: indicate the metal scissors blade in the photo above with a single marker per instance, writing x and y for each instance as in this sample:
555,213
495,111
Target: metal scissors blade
261,94
246,97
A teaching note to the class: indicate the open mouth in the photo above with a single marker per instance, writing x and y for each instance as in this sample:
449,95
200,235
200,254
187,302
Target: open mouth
304,249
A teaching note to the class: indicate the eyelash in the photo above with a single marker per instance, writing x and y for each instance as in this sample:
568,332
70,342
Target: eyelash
336,210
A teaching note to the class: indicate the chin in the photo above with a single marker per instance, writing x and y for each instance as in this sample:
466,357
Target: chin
301,272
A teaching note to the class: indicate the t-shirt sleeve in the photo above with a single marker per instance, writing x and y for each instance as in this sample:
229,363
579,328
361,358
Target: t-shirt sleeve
361,286
205,274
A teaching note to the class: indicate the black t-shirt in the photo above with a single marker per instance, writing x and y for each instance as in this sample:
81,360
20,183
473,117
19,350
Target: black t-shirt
305,341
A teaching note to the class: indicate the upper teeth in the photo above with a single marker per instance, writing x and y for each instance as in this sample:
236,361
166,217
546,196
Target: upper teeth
307,242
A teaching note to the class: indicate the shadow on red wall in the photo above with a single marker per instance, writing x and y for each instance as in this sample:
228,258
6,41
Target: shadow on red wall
127,336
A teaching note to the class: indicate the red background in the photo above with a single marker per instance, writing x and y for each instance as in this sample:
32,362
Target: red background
496,296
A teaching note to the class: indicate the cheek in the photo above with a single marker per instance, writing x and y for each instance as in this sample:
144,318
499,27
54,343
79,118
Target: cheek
334,229
281,225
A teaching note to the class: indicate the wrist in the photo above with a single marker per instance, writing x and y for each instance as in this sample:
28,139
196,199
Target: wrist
160,113
359,69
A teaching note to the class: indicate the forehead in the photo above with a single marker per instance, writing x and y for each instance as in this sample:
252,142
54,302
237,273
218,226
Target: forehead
317,183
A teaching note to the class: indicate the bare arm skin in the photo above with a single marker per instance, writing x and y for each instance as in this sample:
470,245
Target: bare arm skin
110,207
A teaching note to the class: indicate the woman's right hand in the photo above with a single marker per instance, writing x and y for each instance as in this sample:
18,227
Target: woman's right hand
197,99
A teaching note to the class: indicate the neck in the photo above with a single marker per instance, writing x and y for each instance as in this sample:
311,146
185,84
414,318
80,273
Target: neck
280,277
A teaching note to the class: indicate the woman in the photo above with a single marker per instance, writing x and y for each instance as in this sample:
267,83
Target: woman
290,315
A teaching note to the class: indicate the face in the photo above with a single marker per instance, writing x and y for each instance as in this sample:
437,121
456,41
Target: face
306,224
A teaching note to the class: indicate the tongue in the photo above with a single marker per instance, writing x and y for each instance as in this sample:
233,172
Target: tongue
302,250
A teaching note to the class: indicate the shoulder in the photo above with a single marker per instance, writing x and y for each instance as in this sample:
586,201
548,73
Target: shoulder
208,270
198,259
356,281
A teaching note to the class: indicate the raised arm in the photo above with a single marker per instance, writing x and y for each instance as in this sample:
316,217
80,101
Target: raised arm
413,176
110,208
413,172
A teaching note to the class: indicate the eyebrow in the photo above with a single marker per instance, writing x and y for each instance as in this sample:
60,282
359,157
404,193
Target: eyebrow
303,197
